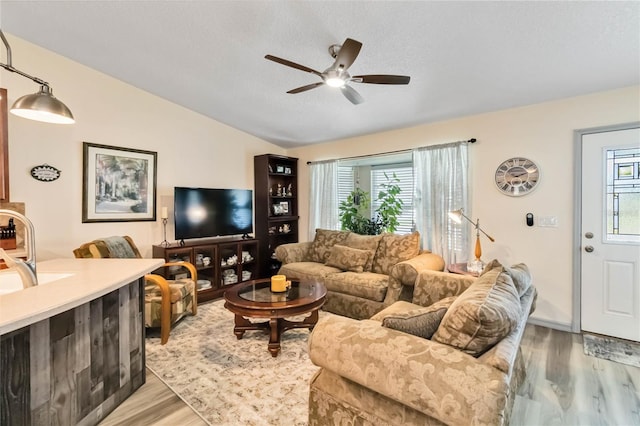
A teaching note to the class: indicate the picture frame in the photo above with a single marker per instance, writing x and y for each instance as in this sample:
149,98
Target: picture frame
287,170
118,184
284,207
277,209
279,168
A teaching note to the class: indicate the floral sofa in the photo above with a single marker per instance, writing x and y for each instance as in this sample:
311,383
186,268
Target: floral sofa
451,356
363,273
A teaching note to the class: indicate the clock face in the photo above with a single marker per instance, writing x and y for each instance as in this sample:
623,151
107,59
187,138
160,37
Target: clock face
517,176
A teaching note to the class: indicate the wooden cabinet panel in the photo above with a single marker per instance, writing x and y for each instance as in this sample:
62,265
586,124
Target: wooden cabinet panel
220,263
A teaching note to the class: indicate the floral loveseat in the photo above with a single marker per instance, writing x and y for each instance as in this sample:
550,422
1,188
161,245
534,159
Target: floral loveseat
363,273
466,373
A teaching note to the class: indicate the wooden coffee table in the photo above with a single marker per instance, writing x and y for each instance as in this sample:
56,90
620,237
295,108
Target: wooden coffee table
254,299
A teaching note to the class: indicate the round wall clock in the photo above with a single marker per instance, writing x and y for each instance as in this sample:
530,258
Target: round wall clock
517,176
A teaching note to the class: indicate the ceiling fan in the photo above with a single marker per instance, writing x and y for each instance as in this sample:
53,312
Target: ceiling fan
337,76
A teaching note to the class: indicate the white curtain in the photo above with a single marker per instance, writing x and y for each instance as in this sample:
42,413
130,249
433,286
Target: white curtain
440,174
323,196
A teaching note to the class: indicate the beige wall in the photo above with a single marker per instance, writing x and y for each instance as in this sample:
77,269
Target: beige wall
543,133
192,150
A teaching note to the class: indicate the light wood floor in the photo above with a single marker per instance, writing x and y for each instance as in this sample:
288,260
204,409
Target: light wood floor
563,387
153,404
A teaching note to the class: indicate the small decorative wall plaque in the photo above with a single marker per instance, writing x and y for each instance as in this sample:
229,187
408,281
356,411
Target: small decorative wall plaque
45,173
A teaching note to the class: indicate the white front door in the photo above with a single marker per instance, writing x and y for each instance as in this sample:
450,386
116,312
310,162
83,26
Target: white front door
610,238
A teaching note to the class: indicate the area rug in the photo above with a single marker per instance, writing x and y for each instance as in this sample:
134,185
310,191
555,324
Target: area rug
229,381
617,350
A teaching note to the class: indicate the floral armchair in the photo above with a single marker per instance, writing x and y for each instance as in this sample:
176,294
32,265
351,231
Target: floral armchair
166,301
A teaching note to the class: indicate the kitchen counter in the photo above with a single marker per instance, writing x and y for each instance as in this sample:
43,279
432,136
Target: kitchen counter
89,279
72,348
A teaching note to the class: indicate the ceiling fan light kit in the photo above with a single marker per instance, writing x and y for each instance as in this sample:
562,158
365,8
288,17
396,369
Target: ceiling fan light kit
337,76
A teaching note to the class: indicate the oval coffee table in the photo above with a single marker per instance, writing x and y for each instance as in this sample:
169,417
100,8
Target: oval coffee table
254,299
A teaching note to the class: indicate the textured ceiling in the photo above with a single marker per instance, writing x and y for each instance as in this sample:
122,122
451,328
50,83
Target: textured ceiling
463,57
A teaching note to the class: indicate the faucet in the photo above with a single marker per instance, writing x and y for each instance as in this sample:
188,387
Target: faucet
26,268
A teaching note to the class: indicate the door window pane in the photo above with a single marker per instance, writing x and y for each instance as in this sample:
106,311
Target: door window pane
623,195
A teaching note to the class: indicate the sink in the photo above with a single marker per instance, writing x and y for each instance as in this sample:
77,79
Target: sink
10,281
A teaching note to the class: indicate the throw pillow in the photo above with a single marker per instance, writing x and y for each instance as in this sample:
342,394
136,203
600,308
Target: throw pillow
482,315
519,273
421,322
364,242
395,248
347,258
322,243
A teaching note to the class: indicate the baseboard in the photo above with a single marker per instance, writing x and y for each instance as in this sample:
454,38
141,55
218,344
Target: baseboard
550,324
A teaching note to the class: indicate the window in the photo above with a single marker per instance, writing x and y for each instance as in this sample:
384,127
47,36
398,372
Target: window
404,172
623,194
368,172
346,183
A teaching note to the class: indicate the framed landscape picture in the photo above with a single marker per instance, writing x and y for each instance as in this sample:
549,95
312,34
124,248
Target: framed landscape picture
118,184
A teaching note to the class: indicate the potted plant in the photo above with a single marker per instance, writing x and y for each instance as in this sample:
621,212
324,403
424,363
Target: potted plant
354,212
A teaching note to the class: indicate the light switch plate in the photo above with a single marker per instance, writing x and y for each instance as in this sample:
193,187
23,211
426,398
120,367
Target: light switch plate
548,221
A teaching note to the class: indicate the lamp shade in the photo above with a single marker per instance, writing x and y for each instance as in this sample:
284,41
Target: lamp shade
456,216
43,106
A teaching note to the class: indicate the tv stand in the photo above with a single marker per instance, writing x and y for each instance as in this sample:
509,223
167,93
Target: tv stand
221,263
245,236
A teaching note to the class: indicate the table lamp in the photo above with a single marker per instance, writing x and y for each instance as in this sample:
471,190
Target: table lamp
477,265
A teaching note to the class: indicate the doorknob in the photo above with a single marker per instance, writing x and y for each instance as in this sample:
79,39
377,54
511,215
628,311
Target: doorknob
588,249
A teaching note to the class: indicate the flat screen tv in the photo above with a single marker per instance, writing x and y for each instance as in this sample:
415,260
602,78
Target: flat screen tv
209,212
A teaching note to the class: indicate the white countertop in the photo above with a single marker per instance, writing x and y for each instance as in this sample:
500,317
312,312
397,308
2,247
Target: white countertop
90,279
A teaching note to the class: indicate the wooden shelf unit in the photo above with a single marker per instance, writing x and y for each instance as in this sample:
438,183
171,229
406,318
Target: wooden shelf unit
276,206
219,251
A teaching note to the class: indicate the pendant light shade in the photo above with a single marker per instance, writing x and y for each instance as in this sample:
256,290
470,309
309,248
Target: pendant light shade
43,106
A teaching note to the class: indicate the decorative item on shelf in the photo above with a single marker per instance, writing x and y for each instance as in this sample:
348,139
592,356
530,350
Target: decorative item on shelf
289,191
204,284
165,216
206,261
279,168
287,170
270,191
229,277
284,206
41,106
232,260
246,275
246,257
272,230
270,168
477,265
199,259
45,173
286,228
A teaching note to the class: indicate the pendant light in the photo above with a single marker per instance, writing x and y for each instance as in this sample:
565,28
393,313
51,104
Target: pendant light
40,106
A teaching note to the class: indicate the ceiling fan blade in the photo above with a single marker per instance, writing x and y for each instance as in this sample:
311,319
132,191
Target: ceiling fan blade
307,87
351,94
381,79
347,54
291,64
